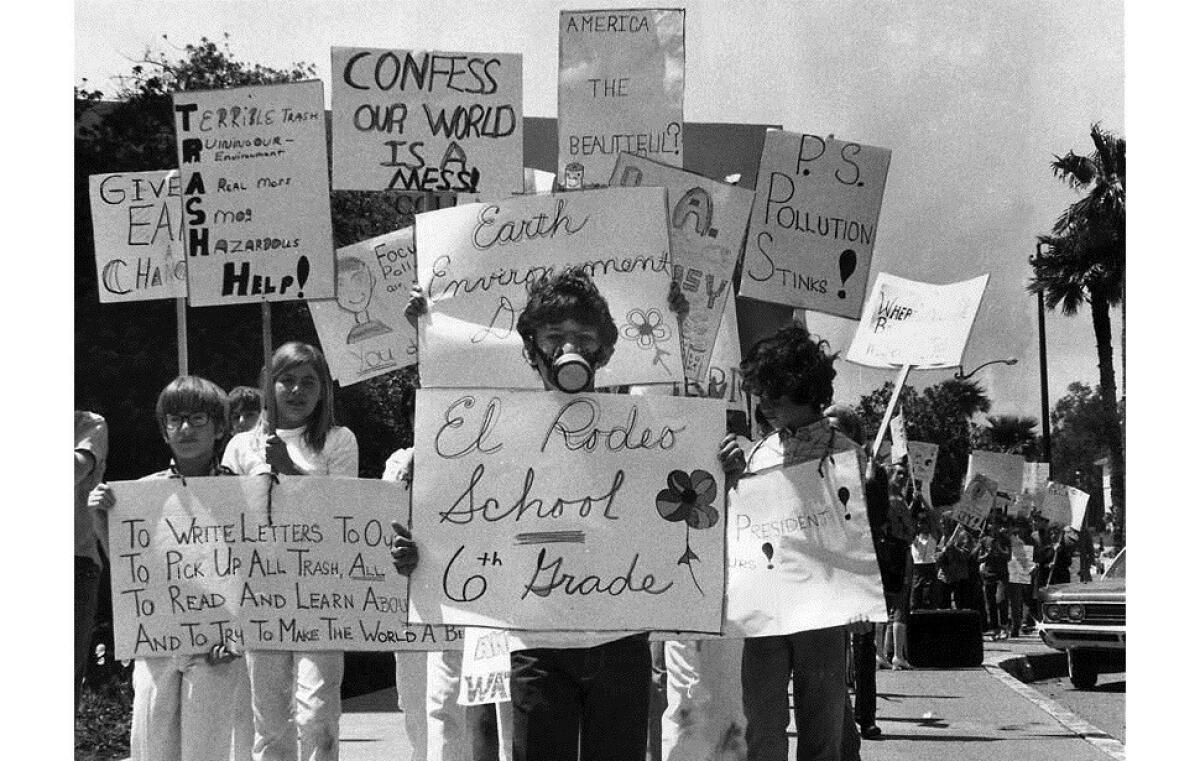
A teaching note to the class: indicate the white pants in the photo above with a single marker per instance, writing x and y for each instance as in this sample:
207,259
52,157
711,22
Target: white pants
297,704
704,720
410,699
186,710
443,726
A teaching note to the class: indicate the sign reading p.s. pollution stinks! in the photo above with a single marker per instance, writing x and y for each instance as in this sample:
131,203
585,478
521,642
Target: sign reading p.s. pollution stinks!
137,229
255,175
814,223
364,331
620,89
426,121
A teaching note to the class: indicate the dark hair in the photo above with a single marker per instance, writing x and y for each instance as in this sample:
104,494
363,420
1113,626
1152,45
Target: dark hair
568,294
289,355
244,399
191,393
791,363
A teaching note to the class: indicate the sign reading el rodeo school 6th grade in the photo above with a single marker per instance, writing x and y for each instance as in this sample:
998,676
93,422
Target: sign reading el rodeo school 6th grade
254,170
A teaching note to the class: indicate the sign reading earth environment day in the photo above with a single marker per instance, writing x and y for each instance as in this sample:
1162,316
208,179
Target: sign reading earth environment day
255,175
907,322
427,121
706,223
814,223
973,508
300,565
476,261
620,89
137,229
364,332
800,550
549,511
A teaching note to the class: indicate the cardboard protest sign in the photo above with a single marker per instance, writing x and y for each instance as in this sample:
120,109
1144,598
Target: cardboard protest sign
584,512
922,460
1033,487
137,229
899,437
814,223
486,670
364,331
1079,504
1064,505
906,322
255,175
1007,470
973,508
301,565
620,88
477,260
800,550
426,121
706,222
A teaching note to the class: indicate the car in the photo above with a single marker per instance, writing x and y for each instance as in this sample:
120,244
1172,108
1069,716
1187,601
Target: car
1087,620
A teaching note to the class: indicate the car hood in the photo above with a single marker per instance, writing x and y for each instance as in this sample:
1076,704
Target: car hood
1105,590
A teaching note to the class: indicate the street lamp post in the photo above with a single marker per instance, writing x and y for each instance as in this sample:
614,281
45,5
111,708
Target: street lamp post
960,376
1041,300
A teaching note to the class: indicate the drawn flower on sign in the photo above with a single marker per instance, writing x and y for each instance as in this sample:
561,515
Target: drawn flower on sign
688,499
647,328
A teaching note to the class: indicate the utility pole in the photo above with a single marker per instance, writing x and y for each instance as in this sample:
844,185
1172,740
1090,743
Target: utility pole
1041,300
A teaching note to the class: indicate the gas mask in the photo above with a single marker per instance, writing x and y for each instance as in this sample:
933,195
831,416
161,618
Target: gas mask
570,371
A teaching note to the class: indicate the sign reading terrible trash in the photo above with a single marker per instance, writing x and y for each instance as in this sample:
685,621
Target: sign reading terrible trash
814,223
137,229
255,175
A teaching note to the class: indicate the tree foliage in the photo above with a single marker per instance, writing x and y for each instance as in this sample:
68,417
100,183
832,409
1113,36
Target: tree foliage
1011,434
1077,424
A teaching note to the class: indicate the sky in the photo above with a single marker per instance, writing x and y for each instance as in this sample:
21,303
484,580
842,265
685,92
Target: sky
974,99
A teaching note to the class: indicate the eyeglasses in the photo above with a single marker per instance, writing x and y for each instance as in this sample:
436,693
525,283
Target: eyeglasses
196,420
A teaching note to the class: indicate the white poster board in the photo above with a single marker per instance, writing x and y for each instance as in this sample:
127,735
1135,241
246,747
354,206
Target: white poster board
814,223
426,121
907,322
973,508
476,261
897,427
137,231
548,511
255,175
1033,488
1079,503
1064,505
307,568
1007,470
486,669
620,89
800,550
922,460
706,221
364,332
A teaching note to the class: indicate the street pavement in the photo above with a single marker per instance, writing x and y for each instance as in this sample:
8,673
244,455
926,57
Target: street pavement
982,714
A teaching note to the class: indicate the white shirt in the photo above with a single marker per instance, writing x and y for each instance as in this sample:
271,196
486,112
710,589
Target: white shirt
246,453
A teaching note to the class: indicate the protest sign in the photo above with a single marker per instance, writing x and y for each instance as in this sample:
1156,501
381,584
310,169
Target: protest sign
255,175
1007,470
1079,504
706,222
547,511
1064,505
1033,487
486,670
915,323
426,121
620,88
537,181
922,459
976,502
899,437
800,550
298,565
476,261
364,331
814,223
137,230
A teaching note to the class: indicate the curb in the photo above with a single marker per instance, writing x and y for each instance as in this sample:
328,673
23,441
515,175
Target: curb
1016,670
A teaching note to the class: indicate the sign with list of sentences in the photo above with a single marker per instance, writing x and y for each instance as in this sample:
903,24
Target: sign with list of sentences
813,228
364,332
478,260
255,175
907,322
427,121
568,512
706,221
620,89
137,230
299,565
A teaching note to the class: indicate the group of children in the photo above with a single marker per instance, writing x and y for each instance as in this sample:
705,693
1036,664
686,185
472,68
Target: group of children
575,695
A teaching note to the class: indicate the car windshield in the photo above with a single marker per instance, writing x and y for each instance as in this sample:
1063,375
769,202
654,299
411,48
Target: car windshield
1117,569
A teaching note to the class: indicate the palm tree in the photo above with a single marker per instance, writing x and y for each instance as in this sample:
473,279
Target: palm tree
1084,263
1012,434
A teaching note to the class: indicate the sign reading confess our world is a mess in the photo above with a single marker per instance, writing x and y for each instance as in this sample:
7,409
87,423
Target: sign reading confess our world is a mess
255,177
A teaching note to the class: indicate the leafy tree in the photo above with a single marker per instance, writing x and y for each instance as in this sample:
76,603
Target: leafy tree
1084,263
1011,434
1077,425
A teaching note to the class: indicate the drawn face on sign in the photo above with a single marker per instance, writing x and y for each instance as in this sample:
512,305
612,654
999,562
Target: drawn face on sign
354,284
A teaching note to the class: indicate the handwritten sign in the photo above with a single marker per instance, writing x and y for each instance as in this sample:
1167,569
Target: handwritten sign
620,89
486,669
973,508
137,229
922,460
899,437
1007,470
800,551
706,222
426,121
584,512
306,568
364,331
477,261
906,322
1033,487
1064,505
255,177
814,223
